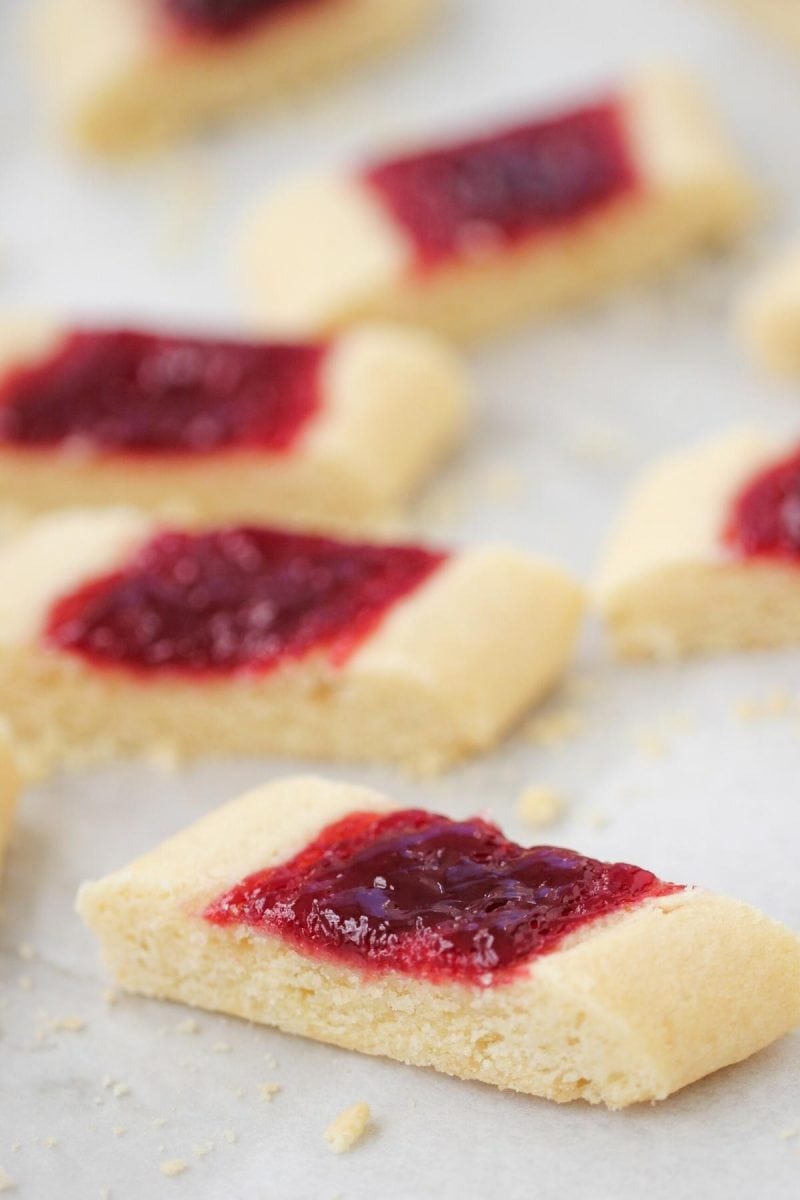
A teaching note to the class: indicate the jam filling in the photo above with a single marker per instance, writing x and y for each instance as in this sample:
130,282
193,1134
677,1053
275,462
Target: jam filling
481,196
764,518
416,892
236,599
227,18
143,393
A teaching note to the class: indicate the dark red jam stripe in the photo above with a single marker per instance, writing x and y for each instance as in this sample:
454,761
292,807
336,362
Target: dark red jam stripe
236,599
482,196
229,18
141,393
764,518
440,899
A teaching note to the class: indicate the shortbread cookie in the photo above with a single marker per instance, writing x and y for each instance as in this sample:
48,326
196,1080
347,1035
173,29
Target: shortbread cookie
120,636
781,17
300,432
124,75
9,788
706,556
768,315
326,911
474,236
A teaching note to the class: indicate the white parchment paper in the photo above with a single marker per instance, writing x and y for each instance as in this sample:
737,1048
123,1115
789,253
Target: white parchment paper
664,771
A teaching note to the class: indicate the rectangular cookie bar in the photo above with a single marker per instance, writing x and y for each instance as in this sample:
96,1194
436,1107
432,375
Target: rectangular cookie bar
125,75
118,635
326,911
706,554
471,237
316,433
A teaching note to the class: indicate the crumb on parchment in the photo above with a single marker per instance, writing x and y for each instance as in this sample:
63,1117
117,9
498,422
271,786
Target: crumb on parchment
540,806
173,1166
66,1025
348,1128
553,728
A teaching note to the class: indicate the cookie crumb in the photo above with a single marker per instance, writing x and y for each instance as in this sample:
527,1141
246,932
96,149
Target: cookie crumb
599,444
230,1136
187,1026
540,806
120,1089
110,996
221,1048
49,1142
553,728
651,744
201,1149
119,1130
173,1166
6,1182
347,1129
502,483
268,1091
67,1025
779,703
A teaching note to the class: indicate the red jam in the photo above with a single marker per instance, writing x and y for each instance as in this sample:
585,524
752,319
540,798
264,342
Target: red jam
226,18
482,196
236,599
440,899
142,393
764,519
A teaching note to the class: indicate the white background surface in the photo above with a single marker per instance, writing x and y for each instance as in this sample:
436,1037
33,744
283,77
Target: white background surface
566,414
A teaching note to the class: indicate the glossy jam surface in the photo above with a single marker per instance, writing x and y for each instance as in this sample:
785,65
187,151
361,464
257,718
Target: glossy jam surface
479,197
764,518
236,599
141,393
419,893
228,18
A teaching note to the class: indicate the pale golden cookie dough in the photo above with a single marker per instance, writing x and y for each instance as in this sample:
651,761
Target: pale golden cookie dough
768,315
9,789
780,17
